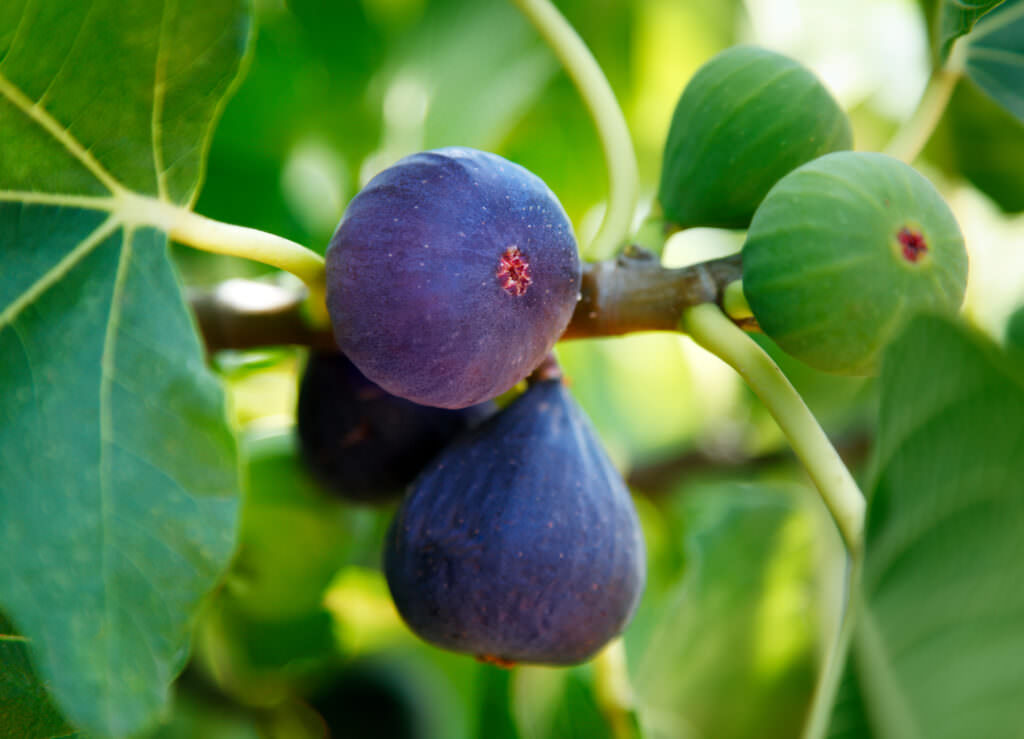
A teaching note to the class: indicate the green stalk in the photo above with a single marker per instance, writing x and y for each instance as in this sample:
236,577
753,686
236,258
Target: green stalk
820,714
614,693
710,328
597,94
734,302
192,229
912,136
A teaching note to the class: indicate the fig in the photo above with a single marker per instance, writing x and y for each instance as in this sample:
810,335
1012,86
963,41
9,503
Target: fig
451,276
377,696
745,119
843,251
363,443
520,542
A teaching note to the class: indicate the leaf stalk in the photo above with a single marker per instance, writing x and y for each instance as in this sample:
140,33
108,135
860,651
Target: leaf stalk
914,134
186,227
714,331
597,94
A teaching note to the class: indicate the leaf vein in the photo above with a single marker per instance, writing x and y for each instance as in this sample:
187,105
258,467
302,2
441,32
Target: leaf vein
86,202
993,22
159,90
106,435
17,31
59,133
28,361
67,57
58,271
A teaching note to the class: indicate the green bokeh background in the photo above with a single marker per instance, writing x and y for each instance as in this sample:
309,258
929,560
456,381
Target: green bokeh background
744,563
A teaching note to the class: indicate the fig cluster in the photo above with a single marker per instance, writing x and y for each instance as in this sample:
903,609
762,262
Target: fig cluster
842,247
449,279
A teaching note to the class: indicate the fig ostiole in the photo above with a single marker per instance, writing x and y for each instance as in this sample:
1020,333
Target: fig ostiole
843,251
746,118
520,542
451,276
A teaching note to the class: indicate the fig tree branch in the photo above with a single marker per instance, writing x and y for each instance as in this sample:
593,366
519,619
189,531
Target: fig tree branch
632,292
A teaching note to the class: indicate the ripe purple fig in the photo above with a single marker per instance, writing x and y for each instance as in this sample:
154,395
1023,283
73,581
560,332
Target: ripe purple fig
520,542
363,443
451,276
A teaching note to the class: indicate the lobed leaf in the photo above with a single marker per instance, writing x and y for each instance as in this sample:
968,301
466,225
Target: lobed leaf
118,472
957,17
940,630
985,144
995,56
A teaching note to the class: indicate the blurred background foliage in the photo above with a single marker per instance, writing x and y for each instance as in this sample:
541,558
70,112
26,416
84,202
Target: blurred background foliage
301,639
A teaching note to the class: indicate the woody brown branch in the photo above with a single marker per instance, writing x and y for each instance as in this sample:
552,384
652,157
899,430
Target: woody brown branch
632,292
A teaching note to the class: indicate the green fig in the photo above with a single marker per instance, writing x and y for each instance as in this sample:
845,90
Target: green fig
843,251
748,117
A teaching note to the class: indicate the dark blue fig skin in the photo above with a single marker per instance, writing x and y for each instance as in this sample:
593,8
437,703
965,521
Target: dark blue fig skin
363,443
520,542
412,277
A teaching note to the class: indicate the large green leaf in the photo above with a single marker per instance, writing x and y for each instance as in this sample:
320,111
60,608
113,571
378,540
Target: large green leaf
938,649
957,17
733,653
985,144
118,472
995,56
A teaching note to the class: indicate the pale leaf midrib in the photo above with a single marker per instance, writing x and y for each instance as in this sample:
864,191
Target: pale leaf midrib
106,438
85,202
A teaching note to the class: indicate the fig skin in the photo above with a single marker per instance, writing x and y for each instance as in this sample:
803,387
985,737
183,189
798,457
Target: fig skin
420,286
825,267
520,542
746,118
361,442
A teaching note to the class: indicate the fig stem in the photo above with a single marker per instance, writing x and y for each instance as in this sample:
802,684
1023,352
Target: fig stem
819,716
912,136
614,693
714,331
734,302
189,228
14,637
608,118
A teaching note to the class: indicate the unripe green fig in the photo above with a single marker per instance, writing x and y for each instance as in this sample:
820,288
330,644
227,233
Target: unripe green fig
748,117
843,251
